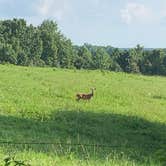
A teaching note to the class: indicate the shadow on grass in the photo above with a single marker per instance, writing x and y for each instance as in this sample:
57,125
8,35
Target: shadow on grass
136,138
159,97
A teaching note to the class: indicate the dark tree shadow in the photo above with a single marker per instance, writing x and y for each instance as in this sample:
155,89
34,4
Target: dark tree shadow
137,138
159,97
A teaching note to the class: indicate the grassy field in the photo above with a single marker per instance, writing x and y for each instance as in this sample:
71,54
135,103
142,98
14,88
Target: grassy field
127,113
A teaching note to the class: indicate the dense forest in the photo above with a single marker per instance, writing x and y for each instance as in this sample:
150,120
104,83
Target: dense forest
45,45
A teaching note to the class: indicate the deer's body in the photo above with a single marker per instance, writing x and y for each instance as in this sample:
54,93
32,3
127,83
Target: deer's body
84,96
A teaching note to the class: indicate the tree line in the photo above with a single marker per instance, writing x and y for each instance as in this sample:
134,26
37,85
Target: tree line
45,45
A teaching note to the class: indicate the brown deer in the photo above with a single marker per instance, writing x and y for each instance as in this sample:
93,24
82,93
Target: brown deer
84,96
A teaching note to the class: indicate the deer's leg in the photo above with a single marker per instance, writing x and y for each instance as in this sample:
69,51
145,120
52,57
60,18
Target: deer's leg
78,98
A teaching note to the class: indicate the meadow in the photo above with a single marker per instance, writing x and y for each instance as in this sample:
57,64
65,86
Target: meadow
127,116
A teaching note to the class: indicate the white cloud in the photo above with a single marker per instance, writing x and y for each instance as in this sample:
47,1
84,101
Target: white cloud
136,12
52,8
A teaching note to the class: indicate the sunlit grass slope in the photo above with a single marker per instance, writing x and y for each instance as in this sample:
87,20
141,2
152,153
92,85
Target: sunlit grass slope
127,112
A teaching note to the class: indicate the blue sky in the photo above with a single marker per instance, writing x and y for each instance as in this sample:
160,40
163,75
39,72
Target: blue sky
120,23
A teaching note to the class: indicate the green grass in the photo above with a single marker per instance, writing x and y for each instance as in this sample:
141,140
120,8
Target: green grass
127,112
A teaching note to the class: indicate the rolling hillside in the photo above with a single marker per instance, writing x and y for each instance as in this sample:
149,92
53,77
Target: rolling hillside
123,124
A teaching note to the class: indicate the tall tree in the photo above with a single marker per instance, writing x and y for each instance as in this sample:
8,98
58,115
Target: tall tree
49,36
65,53
7,54
101,59
85,58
